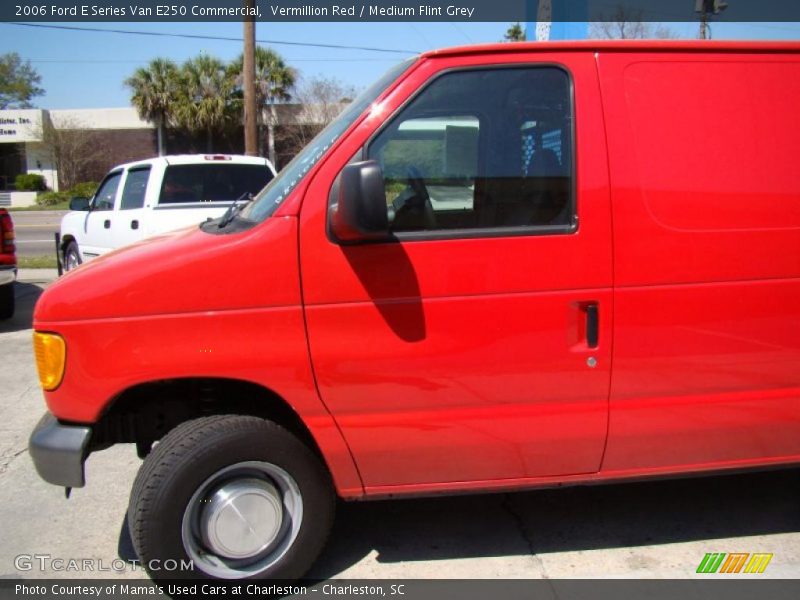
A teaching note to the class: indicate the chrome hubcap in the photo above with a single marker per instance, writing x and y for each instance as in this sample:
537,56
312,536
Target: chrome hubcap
242,520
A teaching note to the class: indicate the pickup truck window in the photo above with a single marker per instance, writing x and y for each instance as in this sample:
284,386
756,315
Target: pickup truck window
271,197
484,148
107,193
212,182
134,189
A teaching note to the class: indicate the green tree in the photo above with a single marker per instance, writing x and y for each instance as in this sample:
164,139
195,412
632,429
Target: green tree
19,82
155,94
515,33
275,81
205,97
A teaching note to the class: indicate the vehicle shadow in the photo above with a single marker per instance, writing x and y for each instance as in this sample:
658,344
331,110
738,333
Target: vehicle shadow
26,295
567,519
556,520
397,298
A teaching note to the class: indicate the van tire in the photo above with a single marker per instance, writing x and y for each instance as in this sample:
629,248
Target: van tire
204,460
72,257
7,301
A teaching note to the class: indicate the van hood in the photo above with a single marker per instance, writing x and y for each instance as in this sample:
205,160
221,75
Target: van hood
184,271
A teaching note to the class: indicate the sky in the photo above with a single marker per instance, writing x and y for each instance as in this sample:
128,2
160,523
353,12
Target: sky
87,69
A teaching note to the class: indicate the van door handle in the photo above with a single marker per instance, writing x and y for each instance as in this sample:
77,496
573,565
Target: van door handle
135,224
107,224
592,324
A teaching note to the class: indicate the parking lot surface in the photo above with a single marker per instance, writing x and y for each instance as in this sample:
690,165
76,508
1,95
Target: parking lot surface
35,231
653,529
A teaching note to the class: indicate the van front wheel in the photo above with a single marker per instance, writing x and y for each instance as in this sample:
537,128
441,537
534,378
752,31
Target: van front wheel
72,258
230,497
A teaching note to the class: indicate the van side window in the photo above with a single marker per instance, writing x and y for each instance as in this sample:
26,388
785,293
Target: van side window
439,154
107,193
134,188
482,149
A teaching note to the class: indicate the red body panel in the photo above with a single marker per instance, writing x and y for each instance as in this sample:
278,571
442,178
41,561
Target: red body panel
706,197
181,273
439,365
162,310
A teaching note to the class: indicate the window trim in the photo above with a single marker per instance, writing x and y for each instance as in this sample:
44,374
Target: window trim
477,232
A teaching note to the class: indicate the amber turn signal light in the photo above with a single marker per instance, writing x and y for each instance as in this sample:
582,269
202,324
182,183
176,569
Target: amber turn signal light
51,355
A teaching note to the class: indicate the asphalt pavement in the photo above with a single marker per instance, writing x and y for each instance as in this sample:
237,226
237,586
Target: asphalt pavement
657,529
35,230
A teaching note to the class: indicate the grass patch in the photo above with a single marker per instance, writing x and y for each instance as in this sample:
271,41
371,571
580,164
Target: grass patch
36,262
60,206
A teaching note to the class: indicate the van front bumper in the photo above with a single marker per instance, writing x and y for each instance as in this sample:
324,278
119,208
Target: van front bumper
59,451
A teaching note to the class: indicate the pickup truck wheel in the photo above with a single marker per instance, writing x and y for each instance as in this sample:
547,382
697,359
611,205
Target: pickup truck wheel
6,301
238,496
72,258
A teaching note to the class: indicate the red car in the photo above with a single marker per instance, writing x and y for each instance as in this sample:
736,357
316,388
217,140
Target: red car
8,265
501,267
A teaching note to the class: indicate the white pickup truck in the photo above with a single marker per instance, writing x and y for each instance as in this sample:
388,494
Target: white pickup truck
144,198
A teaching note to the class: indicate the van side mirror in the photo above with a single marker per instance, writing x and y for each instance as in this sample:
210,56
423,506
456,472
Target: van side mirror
360,212
79,203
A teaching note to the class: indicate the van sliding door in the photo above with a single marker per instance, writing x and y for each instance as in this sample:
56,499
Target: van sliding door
706,200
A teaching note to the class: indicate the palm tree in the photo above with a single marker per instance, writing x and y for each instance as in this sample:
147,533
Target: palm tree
154,92
515,33
274,83
204,102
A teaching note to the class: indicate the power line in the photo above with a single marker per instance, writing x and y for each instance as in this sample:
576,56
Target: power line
461,31
144,60
211,37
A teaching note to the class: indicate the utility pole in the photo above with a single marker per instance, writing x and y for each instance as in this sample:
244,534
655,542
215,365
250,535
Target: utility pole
703,35
706,8
249,83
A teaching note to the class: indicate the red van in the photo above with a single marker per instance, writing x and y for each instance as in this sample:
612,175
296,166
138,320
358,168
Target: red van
502,267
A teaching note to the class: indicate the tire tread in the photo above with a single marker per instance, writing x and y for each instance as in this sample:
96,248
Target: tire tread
176,449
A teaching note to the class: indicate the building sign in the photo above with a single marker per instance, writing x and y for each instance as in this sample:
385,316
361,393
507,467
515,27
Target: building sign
20,126
17,121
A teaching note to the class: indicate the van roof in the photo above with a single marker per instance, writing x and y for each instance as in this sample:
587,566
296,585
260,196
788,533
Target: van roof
620,45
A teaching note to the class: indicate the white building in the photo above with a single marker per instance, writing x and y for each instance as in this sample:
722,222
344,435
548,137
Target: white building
22,149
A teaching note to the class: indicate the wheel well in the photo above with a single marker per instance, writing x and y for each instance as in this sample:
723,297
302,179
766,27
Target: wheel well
65,241
145,413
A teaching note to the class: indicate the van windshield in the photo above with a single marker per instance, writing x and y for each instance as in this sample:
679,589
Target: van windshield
212,182
271,197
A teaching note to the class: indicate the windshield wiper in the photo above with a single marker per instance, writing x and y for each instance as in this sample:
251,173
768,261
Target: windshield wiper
234,209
